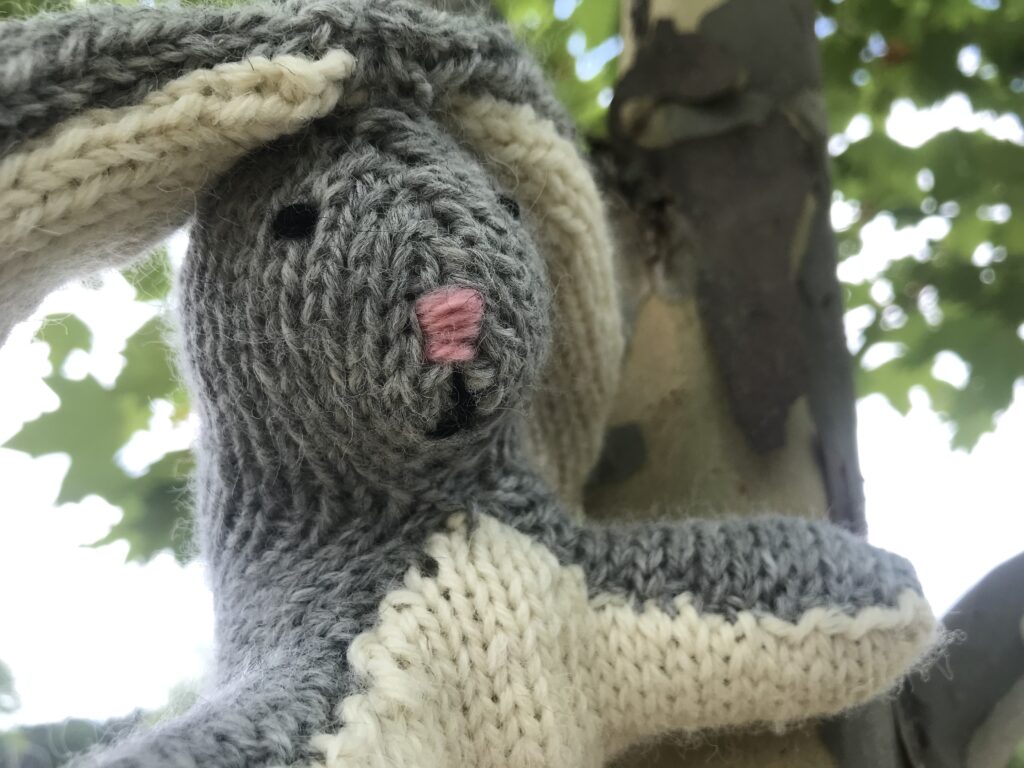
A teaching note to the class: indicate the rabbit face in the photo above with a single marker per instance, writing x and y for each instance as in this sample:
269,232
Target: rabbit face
364,292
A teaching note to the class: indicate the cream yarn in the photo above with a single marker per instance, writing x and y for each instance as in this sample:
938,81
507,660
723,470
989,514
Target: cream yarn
100,188
550,179
502,661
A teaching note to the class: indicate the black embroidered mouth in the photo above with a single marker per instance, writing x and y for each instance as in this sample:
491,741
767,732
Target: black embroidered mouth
461,411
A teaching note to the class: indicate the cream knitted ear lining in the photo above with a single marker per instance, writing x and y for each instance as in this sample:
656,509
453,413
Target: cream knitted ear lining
551,181
99,188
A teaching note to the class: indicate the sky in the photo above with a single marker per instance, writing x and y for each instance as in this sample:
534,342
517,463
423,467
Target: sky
87,635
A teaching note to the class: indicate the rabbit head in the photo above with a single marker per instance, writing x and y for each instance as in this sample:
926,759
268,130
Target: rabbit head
364,294
383,198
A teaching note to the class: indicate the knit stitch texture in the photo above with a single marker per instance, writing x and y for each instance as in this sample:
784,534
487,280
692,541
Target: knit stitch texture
398,324
105,185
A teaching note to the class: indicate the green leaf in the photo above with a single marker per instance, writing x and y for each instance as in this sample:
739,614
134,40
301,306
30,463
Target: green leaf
548,39
1017,761
596,19
155,510
148,372
18,9
923,39
979,322
92,424
891,380
64,334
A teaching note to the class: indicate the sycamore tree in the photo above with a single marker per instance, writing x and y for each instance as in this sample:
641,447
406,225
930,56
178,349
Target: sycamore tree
655,86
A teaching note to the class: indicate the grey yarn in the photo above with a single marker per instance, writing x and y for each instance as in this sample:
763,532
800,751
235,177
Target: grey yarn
322,468
110,56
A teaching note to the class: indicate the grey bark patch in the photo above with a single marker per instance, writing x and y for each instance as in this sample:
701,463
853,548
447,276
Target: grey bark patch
683,67
655,126
830,392
773,41
743,176
866,737
623,455
745,192
639,16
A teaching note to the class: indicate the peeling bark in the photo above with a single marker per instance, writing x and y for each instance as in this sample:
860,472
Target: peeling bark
718,132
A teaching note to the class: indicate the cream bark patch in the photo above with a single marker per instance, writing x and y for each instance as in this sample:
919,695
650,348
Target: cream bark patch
502,659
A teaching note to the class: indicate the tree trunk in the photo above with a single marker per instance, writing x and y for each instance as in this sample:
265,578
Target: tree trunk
737,394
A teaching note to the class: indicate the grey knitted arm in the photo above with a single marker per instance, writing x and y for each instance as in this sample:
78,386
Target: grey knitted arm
769,565
262,719
734,620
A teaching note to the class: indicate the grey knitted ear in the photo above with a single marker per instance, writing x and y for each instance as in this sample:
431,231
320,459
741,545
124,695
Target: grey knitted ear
55,66
100,187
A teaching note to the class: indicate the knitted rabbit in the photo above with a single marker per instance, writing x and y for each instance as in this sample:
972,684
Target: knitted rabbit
373,283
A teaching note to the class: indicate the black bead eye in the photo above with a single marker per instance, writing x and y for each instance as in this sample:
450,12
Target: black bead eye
296,221
509,205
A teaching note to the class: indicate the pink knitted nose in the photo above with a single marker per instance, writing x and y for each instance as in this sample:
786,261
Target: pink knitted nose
450,319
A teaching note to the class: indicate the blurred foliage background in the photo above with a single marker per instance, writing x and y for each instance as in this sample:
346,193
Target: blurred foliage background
963,291
956,290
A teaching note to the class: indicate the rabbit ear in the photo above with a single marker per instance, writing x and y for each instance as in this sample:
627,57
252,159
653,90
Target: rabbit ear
56,65
99,188
555,188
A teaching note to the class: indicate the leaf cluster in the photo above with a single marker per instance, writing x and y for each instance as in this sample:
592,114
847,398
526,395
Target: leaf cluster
563,45
93,424
963,291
